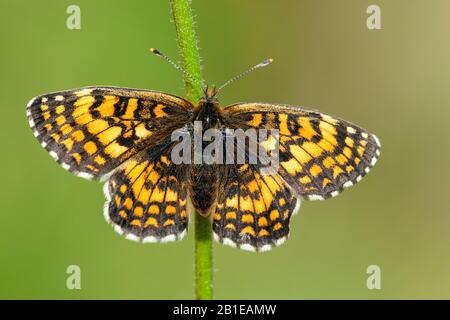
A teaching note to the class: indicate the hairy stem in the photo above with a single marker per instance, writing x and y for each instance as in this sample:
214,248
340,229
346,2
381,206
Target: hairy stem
190,61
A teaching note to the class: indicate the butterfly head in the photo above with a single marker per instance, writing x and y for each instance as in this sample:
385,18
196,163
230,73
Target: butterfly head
210,93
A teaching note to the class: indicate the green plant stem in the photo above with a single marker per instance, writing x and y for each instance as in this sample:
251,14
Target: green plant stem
190,61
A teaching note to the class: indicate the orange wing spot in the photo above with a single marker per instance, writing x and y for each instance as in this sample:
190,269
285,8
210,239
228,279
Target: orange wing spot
253,186
66,129
315,170
171,210
259,206
141,131
247,218
84,119
349,141
266,195
138,212
154,209
136,222
158,195
363,143
274,215
134,170
85,101
171,195
326,182
90,147
360,150
282,201
277,226
131,108
348,152
97,126
337,171
60,120
217,216
232,202
77,157
256,120
48,127
159,111
153,177
292,166
46,115
357,160
165,160
106,109
44,107
100,160
78,136
263,233
169,222
151,222
341,159
183,213
328,162
246,204
230,226
262,222
123,188
313,149
60,109
305,180
109,135
301,155
55,136
272,183
117,199
325,126
248,230
115,149
306,130
128,203
284,124
349,168
68,143
325,145
230,215
123,214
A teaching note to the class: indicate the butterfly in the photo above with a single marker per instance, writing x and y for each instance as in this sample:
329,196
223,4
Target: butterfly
123,137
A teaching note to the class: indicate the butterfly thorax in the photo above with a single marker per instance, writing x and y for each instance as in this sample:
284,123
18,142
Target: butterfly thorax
204,178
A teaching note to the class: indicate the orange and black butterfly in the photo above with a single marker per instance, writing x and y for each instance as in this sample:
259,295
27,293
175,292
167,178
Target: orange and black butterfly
123,136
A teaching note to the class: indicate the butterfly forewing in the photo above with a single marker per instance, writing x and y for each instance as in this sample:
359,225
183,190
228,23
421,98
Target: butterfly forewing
91,131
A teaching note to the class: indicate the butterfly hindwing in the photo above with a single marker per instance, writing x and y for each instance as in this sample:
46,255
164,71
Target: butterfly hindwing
319,155
147,198
253,210
91,131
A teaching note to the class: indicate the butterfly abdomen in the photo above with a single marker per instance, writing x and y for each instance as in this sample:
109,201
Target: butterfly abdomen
203,186
204,177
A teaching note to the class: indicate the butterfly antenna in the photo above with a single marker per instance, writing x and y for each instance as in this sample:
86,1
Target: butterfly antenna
176,66
265,63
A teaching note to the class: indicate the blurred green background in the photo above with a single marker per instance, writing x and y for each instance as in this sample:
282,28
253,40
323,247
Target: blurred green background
394,82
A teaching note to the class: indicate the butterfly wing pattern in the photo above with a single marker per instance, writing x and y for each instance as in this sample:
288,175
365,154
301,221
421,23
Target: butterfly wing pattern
319,156
110,133
123,136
